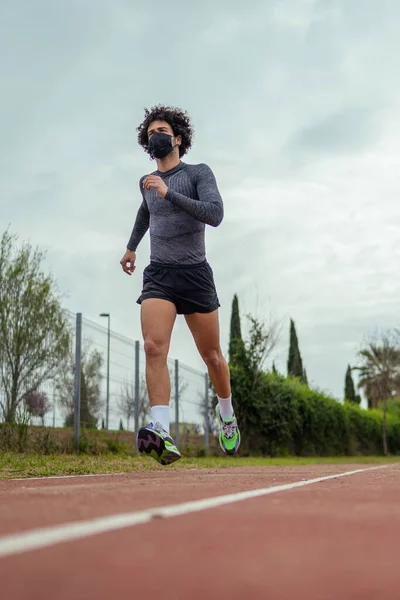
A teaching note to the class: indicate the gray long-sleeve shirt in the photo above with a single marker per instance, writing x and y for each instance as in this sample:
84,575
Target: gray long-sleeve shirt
177,222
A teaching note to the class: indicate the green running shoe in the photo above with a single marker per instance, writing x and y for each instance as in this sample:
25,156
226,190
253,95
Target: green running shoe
229,434
154,441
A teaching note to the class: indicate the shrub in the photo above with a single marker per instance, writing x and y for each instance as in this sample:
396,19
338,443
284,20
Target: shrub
283,417
290,418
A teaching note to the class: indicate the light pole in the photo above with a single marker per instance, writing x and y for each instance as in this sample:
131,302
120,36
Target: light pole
108,367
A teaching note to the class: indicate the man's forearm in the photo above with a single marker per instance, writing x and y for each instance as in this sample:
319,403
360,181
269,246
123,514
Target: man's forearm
140,227
209,212
208,208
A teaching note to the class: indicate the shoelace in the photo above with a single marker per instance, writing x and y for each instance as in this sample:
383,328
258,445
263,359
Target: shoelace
229,429
158,427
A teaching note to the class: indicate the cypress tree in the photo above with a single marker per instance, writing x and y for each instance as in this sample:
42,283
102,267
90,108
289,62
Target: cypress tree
295,364
235,339
349,388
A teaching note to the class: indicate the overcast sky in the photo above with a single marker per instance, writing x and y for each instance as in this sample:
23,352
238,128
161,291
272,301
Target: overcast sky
295,105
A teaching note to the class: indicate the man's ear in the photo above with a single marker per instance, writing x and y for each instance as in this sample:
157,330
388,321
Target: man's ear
178,140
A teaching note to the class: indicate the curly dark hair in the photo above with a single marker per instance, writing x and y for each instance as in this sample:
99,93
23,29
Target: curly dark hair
178,119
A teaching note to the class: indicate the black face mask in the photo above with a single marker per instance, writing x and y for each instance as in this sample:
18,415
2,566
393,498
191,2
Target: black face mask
160,145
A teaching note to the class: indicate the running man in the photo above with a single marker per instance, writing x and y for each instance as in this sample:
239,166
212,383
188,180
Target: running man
178,201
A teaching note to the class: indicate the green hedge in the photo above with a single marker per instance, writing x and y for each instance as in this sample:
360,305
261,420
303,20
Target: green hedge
277,417
294,420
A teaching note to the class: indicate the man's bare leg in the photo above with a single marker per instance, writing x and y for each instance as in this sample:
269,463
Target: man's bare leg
205,331
157,320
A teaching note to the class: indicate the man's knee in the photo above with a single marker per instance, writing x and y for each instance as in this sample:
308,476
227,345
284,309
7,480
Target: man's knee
155,350
213,358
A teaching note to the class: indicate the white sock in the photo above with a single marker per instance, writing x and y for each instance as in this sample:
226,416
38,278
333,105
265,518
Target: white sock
225,407
160,414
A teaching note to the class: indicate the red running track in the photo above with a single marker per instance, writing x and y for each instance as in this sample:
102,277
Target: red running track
335,539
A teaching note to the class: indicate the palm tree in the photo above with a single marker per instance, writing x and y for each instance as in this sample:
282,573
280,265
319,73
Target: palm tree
380,376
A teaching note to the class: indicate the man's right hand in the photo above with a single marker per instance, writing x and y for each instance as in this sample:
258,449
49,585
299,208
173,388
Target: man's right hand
127,262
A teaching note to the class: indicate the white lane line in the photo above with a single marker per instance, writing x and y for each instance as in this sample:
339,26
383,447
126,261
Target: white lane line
49,536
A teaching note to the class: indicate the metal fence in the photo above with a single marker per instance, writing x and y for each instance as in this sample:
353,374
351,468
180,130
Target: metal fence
106,370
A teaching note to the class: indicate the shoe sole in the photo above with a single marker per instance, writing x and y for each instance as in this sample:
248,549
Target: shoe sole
154,446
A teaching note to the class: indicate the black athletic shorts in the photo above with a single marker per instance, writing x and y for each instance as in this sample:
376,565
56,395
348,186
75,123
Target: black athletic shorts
190,287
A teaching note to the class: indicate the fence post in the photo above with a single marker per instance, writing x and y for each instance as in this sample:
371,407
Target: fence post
177,402
77,383
54,409
207,418
137,389
108,374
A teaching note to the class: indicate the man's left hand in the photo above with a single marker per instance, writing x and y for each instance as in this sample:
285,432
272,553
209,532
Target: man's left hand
153,182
